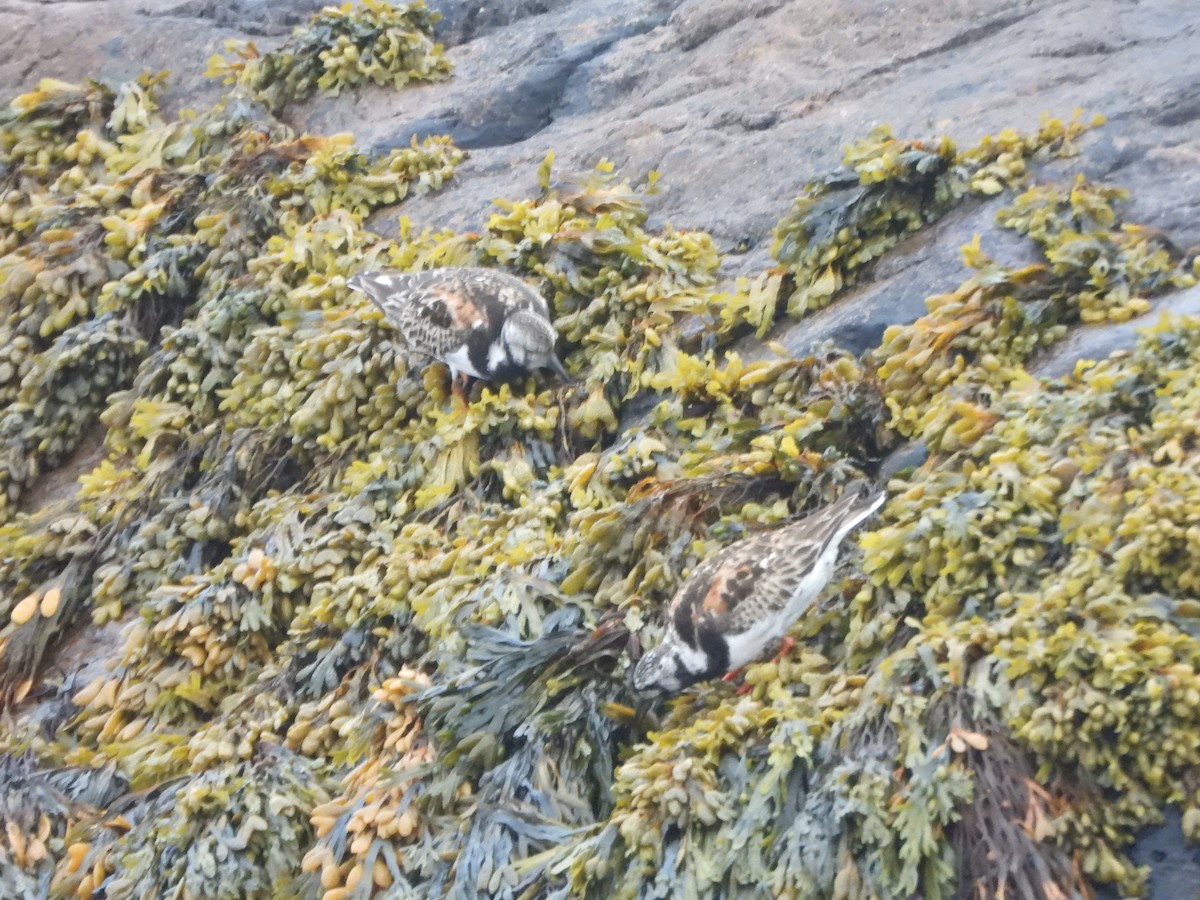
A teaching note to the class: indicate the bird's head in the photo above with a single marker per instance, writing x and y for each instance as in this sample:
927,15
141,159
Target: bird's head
661,671
528,341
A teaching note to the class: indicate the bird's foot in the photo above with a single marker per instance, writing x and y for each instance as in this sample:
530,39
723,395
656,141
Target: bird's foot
742,688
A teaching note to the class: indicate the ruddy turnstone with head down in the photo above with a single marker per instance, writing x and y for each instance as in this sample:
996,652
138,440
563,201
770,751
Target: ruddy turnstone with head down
736,602
479,322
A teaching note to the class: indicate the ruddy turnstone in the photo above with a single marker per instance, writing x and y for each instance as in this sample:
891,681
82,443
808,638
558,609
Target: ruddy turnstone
736,602
479,322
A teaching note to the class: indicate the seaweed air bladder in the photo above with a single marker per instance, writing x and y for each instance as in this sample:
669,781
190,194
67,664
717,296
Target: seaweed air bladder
304,626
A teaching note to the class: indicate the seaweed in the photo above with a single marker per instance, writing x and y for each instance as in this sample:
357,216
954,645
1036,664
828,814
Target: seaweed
349,636
341,46
890,187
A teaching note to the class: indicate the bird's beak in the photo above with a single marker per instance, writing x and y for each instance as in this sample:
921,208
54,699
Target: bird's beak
557,367
643,704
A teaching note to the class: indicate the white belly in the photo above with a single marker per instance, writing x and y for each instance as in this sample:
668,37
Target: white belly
744,648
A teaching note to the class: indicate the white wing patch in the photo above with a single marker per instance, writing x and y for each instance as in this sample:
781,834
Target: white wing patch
746,646
496,356
460,361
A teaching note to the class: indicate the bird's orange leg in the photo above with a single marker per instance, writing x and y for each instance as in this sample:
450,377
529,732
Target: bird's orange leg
743,688
786,643
458,387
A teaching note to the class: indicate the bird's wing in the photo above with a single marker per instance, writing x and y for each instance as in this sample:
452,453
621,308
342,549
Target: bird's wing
506,290
757,577
729,591
434,315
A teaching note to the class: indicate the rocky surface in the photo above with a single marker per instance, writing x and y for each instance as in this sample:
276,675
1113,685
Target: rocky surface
1174,863
737,105
116,41
1094,341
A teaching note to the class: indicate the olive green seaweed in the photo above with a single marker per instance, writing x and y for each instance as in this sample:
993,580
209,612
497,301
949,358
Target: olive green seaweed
310,626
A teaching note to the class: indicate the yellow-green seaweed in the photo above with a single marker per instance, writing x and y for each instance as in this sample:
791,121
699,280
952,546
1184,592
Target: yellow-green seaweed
352,637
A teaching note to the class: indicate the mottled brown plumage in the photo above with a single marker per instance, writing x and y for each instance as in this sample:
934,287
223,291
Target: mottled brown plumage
738,601
480,322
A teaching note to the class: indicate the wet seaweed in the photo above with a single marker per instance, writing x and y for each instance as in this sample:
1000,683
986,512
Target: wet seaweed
341,46
373,640
890,187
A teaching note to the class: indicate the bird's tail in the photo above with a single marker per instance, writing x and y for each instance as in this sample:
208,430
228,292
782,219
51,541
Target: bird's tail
858,501
385,291
365,284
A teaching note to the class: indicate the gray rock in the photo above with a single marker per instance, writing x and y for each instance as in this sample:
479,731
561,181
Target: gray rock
116,40
1174,864
927,262
737,105
1099,341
